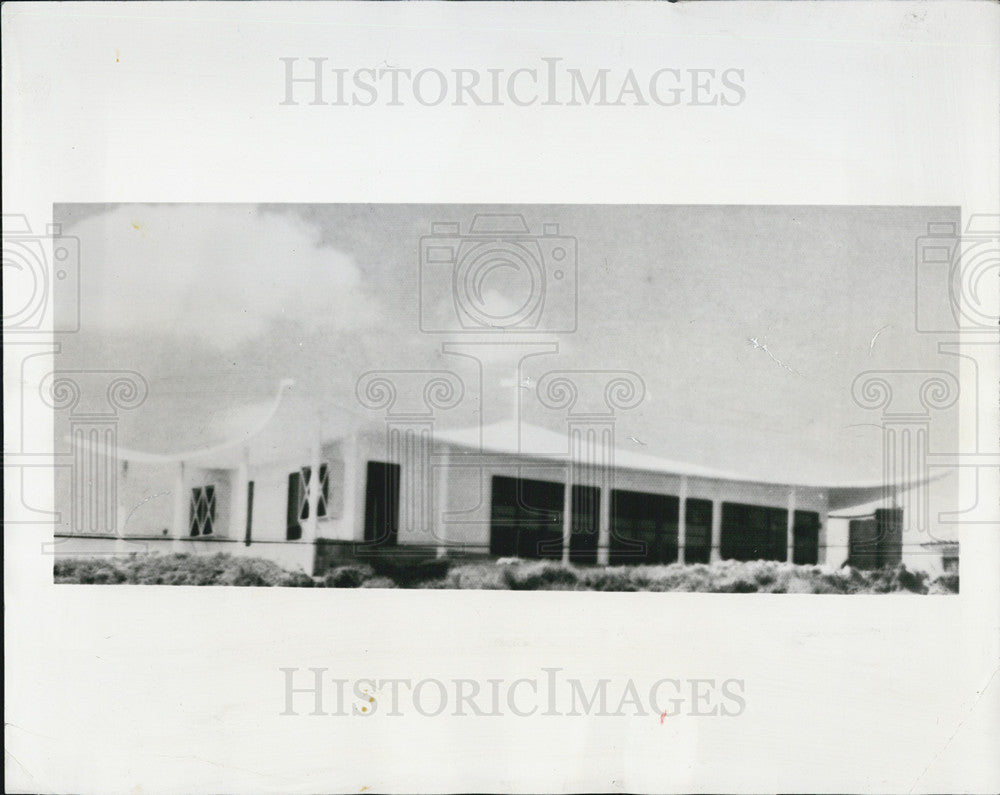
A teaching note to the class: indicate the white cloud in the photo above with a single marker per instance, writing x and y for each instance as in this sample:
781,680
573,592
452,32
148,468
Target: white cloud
222,272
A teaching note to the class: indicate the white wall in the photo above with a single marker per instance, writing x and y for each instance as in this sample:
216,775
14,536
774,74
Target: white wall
146,498
442,500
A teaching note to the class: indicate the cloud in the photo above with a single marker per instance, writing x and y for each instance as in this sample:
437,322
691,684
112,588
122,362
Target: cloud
223,273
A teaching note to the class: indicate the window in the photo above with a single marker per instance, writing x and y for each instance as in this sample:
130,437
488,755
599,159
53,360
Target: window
585,502
382,504
298,499
526,518
754,532
805,550
643,527
876,541
202,514
698,531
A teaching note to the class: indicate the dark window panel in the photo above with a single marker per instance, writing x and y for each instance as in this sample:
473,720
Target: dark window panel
698,531
526,518
382,504
753,532
585,502
805,549
643,527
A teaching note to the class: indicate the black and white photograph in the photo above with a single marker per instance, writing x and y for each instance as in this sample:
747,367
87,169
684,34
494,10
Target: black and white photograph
609,398
501,397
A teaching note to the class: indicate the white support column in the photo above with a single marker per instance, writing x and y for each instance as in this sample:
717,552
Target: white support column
716,553
440,522
182,504
791,526
240,488
604,528
312,495
353,517
682,520
567,523
121,511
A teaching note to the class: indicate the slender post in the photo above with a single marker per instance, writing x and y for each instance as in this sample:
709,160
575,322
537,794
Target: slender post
604,528
442,503
716,554
182,503
567,524
791,526
353,507
240,487
682,520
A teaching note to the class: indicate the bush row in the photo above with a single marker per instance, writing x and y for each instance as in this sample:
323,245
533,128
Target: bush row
398,571
179,569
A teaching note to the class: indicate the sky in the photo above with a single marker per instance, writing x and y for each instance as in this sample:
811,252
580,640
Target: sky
746,325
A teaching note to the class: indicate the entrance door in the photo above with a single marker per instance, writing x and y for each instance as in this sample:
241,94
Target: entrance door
297,507
382,504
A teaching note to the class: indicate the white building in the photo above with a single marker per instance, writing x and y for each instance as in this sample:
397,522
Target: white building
304,487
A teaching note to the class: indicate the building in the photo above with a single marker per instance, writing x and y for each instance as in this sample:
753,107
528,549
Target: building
302,487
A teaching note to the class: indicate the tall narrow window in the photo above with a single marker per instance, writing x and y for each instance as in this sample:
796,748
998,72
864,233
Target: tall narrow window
805,550
382,504
585,502
202,514
698,533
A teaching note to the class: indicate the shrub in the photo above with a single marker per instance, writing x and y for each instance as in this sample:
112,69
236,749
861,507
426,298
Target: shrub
616,579
946,583
298,579
386,571
260,573
179,569
486,576
352,576
539,576
408,571
89,571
